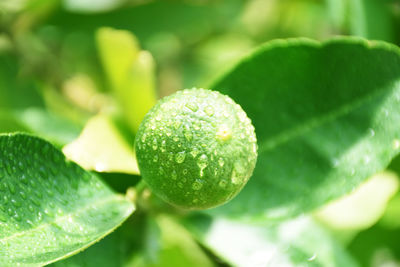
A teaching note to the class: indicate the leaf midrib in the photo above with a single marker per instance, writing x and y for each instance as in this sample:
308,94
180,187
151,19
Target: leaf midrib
313,123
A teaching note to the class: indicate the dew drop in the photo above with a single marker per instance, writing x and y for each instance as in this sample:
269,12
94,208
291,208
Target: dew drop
188,136
174,175
194,152
35,201
196,126
16,203
313,257
48,213
222,183
180,185
197,185
155,158
209,110
154,146
221,162
177,124
163,146
192,106
371,132
236,177
202,162
12,188
24,179
180,157
185,171
23,195
5,199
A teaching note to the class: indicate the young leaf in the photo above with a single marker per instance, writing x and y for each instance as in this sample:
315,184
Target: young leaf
101,147
326,118
50,208
130,72
170,244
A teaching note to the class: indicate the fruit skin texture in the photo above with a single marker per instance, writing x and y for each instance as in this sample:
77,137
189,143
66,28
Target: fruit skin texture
196,149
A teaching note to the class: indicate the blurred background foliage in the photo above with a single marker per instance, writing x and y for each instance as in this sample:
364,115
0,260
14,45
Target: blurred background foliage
82,74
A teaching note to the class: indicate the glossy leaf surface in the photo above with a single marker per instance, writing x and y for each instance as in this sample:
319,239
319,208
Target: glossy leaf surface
326,117
50,208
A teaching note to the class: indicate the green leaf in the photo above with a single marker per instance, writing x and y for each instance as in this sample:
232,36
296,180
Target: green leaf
362,208
48,125
116,250
101,147
50,208
298,242
130,71
170,244
371,19
16,90
326,118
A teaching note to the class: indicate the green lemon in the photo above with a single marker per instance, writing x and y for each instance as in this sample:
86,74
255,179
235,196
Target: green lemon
196,149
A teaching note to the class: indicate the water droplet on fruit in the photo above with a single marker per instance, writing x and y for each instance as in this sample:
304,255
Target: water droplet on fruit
174,175
236,178
155,158
180,157
177,124
222,183
197,185
154,146
194,152
188,136
202,162
209,110
180,185
192,106
163,146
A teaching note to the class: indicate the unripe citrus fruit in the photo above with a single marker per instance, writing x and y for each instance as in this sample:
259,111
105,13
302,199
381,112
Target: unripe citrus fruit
196,149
